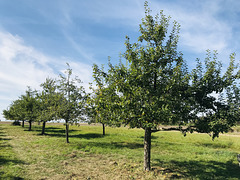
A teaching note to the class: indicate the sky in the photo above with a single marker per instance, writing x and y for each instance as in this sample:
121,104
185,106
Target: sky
38,37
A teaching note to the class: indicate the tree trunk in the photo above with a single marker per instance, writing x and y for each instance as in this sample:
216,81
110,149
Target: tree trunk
147,149
22,123
103,125
43,127
67,129
30,126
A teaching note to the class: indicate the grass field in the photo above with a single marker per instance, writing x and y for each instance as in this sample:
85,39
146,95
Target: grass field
118,155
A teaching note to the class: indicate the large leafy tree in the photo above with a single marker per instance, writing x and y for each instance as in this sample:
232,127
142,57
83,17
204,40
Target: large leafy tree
72,106
155,88
153,81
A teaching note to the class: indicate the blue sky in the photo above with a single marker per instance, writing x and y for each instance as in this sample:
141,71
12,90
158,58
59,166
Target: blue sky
38,37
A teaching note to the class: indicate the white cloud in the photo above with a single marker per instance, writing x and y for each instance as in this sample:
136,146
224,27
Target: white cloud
201,28
23,66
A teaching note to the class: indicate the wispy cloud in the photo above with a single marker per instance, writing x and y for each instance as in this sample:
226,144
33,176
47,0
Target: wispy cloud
201,26
22,66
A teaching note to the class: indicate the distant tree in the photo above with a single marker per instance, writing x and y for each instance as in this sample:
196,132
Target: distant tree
30,106
14,112
233,100
49,102
212,114
99,104
72,107
25,108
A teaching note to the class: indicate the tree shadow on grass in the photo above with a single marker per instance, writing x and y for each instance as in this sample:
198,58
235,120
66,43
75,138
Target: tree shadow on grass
152,137
112,145
7,160
10,177
215,145
88,136
54,131
3,140
204,169
47,129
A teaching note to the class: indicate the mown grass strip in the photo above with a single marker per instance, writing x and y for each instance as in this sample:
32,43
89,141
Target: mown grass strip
119,154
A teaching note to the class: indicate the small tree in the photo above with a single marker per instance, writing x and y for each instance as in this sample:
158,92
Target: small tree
30,106
49,101
99,105
15,111
209,113
73,100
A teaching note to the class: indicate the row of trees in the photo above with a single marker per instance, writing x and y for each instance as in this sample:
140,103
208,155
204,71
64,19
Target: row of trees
62,99
154,87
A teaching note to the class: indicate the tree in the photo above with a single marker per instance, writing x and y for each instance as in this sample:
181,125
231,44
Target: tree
209,113
73,100
25,108
153,78
14,112
155,88
30,106
99,104
49,101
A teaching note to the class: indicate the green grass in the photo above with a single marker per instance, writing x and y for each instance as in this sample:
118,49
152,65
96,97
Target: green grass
118,155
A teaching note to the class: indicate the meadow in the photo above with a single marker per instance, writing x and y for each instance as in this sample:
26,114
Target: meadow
117,155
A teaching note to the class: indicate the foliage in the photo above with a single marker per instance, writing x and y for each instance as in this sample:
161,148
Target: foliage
14,112
49,101
211,114
152,84
71,108
25,108
99,104
155,88
154,77
30,106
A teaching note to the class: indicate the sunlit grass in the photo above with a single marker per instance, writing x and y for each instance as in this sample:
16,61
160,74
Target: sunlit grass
119,154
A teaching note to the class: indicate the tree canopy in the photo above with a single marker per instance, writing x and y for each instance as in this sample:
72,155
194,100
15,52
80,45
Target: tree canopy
154,86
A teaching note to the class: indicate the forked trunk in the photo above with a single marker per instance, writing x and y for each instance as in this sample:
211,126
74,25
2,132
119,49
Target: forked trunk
147,149
103,125
43,127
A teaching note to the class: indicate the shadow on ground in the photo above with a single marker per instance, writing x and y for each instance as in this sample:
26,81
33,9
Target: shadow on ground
204,169
112,145
6,158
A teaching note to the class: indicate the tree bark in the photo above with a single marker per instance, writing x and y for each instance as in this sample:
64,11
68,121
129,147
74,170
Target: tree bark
22,123
67,129
103,125
147,149
30,126
43,127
